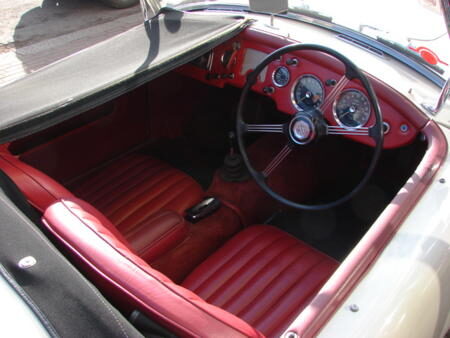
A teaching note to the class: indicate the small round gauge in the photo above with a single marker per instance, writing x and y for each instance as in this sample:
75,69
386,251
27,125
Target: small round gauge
352,109
281,76
308,92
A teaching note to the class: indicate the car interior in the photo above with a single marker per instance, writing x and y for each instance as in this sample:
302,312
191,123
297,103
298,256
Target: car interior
150,196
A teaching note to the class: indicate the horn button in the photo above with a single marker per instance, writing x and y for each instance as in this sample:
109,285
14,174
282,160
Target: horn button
302,129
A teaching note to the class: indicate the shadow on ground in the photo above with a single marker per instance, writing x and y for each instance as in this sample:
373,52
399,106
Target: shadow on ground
59,28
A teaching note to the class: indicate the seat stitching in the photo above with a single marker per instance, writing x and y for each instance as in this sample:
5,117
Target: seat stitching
211,272
142,223
110,183
210,298
294,261
110,209
150,171
293,283
172,286
143,202
171,199
247,262
109,309
235,296
93,188
295,310
122,200
158,240
125,175
179,193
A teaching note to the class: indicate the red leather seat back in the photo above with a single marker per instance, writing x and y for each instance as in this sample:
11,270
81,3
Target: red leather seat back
263,276
132,189
101,249
39,189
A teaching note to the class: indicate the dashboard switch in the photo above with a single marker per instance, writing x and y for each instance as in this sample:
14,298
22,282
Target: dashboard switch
268,90
212,76
228,76
292,61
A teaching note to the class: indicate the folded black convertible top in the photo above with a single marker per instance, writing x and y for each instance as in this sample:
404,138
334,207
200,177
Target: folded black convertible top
109,69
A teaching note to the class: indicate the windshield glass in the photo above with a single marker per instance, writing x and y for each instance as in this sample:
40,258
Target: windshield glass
410,26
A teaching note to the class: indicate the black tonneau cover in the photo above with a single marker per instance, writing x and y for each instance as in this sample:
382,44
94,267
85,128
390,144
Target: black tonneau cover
66,304
109,69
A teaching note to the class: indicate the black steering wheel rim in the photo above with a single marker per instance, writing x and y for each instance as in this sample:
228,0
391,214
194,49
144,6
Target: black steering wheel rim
376,131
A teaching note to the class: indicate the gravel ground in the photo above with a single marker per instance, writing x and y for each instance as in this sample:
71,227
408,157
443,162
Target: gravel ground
35,33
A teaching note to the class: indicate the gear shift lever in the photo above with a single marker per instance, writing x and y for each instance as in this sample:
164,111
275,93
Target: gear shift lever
233,169
232,142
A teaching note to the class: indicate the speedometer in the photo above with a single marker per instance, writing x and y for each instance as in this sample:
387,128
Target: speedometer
352,109
308,92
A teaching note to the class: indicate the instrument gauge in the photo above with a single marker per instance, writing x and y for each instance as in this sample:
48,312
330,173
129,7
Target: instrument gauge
352,109
307,93
281,76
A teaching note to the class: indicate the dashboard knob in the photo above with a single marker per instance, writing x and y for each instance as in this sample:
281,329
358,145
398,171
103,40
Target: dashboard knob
331,82
292,61
268,90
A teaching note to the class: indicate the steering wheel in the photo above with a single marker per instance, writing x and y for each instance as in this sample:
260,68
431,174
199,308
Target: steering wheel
309,125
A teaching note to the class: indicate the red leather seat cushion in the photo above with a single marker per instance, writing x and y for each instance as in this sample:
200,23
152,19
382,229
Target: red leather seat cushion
164,231
262,275
99,249
132,189
142,196
39,189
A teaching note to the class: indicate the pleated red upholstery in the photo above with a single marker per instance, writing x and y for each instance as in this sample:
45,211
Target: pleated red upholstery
132,189
112,264
262,275
143,197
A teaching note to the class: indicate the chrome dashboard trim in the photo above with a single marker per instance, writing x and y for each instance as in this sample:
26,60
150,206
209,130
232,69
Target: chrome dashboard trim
336,118
357,43
294,85
273,77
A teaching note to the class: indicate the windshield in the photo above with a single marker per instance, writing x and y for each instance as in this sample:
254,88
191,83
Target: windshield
413,27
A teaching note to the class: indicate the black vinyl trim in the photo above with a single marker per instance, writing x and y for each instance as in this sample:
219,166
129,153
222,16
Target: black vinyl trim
22,294
61,297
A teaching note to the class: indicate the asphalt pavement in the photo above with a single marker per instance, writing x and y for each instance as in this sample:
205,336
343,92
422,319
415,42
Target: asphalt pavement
35,33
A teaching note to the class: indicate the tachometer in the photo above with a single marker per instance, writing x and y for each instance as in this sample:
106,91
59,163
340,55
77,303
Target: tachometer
281,76
308,92
352,109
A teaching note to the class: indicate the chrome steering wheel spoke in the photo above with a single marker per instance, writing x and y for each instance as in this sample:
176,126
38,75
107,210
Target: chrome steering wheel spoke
276,161
264,128
306,126
337,89
339,130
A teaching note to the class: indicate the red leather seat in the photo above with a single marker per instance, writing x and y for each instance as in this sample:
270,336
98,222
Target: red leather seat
132,189
113,266
144,198
128,191
40,190
262,277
